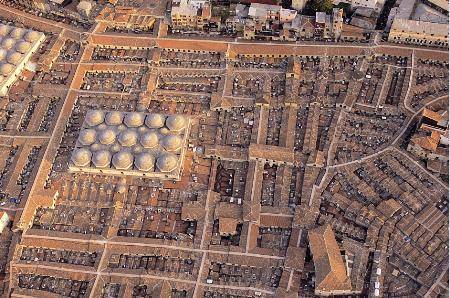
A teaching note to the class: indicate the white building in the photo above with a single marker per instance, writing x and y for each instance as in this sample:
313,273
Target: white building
4,220
374,4
16,48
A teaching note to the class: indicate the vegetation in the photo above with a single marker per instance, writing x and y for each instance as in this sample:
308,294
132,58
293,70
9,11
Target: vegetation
314,6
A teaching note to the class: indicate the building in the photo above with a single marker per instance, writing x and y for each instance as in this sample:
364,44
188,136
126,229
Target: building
430,140
84,8
416,22
374,4
190,15
420,33
299,5
331,276
4,221
17,47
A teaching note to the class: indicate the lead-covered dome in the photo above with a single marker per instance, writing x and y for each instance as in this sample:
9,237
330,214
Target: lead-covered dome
14,58
94,117
145,162
32,36
87,136
23,47
134,119
122,160
81,157
172,142
167,162
128,138
101,159
149,139
17,33
176,122
6,69
155,120
107,136
8,43
114,118
4,29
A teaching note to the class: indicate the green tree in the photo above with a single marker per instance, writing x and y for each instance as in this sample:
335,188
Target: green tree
314,6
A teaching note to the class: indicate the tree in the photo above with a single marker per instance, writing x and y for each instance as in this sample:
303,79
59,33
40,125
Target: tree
314,6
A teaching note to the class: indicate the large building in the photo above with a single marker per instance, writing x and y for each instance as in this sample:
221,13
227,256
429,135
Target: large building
373,4
421,23
190,15
331,275
137,144
17,47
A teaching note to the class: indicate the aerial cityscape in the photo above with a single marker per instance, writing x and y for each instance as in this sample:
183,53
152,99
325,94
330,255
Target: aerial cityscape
224,148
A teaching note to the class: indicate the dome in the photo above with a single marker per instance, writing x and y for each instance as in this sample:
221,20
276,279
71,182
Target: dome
17,33
149,139
32,36
14,58
167,162
154,120
145,162
171,142
101,159
6,69
2,54
8,43
114,118
107,137
128,138
134,119
122,160
94,117
23,47
4,29
176,122
81,157
87,137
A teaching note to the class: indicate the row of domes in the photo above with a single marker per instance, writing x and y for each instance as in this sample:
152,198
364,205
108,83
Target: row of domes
11,45
124,160
128,138
18,33
174,123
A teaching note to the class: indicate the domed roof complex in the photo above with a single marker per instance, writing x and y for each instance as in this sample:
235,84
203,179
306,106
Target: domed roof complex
114,118
122,160
94,117
128,138
155,120
136,144
16,51
176,122
134,119
149,139
101,159
81,157
145,162
167,162
172,142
